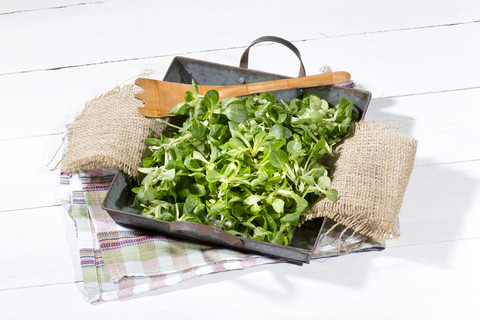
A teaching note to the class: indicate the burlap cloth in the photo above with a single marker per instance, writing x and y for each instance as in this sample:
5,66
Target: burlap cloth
110,132
371,167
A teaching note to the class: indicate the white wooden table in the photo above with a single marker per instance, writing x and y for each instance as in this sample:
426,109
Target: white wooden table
420,59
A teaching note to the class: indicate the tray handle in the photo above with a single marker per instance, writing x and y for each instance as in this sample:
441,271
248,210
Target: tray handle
288,44
182,227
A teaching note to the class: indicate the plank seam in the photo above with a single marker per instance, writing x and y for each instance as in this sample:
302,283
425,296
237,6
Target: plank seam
41,285
430,242
34,136
51,8
231,48
31,208
389,247
427,92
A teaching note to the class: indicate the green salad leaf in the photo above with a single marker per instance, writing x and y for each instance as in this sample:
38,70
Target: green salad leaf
246,165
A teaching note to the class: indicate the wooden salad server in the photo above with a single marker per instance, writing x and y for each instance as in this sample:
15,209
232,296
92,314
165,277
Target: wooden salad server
161,96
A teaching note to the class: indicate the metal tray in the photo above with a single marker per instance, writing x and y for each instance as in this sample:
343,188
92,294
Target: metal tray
119,202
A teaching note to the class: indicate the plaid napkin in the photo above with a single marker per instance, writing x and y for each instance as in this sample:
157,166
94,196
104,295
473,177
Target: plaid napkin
117,262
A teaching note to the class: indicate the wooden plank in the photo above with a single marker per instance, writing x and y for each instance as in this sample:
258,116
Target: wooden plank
115,31
39,248
422,282
55,97
444,123
405,62
441,204
27,182
29,190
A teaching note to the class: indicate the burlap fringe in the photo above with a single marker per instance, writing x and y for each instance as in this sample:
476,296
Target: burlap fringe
110,132
370,170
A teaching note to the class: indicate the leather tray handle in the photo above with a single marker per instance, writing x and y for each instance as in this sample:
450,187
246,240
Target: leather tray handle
288,44
210,232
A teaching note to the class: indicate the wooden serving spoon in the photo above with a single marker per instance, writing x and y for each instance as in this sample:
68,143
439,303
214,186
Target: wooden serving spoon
161,96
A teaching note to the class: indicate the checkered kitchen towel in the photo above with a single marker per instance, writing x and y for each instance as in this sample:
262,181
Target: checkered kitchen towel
118,263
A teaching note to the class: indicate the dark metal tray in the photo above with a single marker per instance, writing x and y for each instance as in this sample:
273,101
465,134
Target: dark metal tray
119,202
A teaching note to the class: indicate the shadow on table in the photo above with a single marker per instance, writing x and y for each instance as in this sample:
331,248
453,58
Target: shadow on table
439,206
438,203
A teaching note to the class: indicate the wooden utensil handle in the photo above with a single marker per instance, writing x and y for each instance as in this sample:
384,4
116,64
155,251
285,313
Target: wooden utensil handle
285,84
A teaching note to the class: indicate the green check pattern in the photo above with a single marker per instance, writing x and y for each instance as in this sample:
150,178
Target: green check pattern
117,262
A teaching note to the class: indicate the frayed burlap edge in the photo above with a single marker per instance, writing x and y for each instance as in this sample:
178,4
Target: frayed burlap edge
370,170
110,132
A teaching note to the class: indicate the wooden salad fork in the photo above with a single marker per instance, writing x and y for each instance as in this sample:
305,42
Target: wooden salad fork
161,96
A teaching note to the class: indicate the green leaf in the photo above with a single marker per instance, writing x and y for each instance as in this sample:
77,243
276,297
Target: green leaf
191,163
309,180
278,131
199,131
279,238
315,102
197,155
236,112
147,162
189,96
146,170
165,216
179,109
292,219
198,189
271,223
324,182
260,233
190,203
149,194
278,159
302,204
294,147
153,141
214,176
200,109
249,225
278,205
199,210
236,143
331,194
168,175
217,130
195,88
253,199
261,178
211,99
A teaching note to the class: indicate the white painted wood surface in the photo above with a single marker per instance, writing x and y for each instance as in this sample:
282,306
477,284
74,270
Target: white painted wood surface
420,61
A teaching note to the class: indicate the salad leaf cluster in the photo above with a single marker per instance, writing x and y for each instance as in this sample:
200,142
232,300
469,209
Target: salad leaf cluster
248,165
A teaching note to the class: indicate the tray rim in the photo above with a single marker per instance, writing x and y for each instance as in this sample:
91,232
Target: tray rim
307,252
